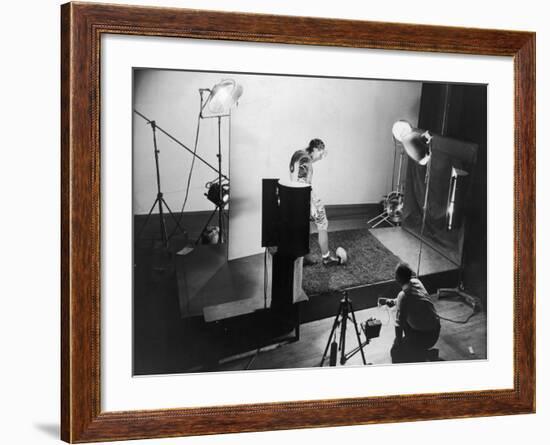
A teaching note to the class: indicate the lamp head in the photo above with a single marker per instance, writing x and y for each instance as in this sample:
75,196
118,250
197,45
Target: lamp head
223,96
218,194
415,142
400,129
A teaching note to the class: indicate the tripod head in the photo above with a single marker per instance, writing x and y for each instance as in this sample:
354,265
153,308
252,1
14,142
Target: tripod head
345,297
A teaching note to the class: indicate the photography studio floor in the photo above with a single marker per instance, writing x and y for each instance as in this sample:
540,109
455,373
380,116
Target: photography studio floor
171,335
455,343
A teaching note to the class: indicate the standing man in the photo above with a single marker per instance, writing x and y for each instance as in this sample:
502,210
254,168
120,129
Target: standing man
301,170
417,323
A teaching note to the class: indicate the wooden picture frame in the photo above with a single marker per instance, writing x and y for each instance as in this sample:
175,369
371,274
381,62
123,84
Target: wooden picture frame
82,26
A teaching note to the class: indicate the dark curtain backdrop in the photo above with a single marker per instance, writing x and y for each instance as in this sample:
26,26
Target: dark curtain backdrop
459,111
446,154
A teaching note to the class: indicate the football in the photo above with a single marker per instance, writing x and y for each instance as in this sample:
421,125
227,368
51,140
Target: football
342,255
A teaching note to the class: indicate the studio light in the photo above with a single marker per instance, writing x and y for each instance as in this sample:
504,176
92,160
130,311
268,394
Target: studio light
415,142
220,197
221,98
454,204
400,129
392,204
216,102
417,145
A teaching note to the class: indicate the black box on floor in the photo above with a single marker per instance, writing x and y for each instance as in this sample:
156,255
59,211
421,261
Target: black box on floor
372,328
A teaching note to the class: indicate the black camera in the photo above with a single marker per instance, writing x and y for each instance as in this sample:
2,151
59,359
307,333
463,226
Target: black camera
390,302
371,328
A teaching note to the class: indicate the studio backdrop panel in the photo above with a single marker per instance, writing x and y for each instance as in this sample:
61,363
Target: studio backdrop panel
445,236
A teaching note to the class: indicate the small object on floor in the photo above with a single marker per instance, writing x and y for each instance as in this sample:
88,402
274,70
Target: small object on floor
210,235
342,255
185,250
371,328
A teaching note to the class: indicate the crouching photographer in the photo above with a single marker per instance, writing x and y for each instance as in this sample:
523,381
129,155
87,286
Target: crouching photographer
417,323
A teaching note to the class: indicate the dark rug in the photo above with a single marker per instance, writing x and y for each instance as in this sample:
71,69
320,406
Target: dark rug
368,262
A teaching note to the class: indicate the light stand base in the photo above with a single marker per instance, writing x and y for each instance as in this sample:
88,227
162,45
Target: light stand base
384,217
160,201
456,292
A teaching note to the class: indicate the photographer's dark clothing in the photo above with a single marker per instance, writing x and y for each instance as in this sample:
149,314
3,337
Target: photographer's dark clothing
415,310
417,316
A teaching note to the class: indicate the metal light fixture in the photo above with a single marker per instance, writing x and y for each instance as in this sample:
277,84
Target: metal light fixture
453,217
213,193
416,142
216,102
220,99
417,145
392,204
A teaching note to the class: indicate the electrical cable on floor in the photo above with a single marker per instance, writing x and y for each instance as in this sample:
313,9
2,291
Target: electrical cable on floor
458,321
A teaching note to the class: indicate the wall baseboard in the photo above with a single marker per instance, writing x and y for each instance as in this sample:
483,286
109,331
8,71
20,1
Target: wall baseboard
352,210
333,211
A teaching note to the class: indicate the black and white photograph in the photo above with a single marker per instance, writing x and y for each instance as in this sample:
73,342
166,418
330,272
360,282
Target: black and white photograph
291,221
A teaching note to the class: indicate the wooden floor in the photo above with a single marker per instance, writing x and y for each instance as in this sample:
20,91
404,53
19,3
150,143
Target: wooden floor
406,246
456,342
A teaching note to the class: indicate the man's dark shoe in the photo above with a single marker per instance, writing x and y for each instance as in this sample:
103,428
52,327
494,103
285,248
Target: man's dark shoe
331,261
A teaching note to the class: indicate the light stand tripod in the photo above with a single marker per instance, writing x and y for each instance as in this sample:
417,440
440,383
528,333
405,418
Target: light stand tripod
345,312
424,212
160,198
393,202
220,204
155,127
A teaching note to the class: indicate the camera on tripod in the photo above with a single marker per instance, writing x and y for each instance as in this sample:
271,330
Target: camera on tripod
371,329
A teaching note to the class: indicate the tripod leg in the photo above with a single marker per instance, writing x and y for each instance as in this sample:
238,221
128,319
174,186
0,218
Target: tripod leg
331,335
343,334
178,226
384,218
163,233
147,219
358,334
370,221
387,221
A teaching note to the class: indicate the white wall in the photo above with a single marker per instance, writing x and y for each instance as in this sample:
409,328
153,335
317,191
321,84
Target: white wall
276,116
279,115
30,245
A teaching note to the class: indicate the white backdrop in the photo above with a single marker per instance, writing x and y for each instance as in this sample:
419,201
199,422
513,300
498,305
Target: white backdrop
276,116
30,240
